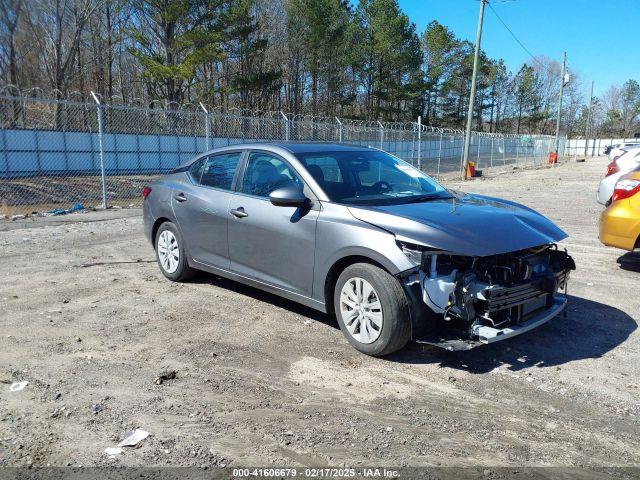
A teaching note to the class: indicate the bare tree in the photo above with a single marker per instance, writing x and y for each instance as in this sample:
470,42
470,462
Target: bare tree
10,13
57,27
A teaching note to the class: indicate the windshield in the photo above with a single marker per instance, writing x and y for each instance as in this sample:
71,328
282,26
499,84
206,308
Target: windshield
369,178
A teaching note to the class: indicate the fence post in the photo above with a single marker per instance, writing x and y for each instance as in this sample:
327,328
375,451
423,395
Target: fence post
440,152
339,129
381,134
420,142
491,159
504,150
285,119
101,153
207,127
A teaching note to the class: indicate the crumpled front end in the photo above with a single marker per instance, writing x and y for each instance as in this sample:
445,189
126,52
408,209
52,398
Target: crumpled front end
464,301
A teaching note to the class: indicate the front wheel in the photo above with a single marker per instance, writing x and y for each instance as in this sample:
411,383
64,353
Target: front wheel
171,253
372,310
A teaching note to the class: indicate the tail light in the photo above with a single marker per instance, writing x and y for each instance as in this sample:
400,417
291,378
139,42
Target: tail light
146,191
612,168
625,188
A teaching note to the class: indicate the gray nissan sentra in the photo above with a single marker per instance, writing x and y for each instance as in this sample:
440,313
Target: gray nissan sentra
359,233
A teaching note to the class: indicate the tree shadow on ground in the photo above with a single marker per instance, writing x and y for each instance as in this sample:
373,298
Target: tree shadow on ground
590,330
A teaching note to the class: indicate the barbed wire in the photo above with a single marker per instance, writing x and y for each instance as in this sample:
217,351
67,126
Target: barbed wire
193,109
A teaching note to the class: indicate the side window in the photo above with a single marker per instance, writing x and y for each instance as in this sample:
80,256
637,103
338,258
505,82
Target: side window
218,170
266,173
195,170
324,169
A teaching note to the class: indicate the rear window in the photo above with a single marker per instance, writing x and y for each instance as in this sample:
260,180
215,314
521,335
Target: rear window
216,171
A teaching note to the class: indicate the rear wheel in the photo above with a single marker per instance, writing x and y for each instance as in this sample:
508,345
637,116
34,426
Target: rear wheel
171,254
372,310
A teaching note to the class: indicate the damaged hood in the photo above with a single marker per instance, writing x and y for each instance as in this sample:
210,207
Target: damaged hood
465,224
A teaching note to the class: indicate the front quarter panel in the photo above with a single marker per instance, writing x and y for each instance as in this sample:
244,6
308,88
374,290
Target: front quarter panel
339,234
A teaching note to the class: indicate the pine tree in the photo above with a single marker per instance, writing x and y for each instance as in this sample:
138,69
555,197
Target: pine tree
173,38
440,49
319,29
389,58
255,81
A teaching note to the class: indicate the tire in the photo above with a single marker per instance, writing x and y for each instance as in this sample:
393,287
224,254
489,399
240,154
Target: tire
363,332
174,269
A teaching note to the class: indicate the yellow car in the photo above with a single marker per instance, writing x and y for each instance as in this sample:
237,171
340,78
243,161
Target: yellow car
620,223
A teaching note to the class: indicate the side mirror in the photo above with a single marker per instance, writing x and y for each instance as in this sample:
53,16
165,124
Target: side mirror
288,197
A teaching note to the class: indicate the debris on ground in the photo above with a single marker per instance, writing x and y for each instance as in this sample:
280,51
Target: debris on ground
164,376
95,408
59,411
134,438
76,207
18,217
17,386
262,385
113,451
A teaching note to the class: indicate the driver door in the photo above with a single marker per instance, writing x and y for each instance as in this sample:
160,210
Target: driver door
274,245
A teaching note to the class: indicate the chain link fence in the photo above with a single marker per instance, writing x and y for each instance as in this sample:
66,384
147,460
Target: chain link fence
61,155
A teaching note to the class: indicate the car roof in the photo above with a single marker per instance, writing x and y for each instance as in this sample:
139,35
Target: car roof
313,147
291,147
295,147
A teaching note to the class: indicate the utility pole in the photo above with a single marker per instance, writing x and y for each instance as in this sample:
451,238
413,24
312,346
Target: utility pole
564,71
472,96
587,130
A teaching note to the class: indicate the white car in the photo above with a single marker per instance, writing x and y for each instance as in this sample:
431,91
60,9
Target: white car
629,160
621,147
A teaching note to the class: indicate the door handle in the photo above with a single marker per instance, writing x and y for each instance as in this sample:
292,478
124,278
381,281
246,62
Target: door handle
180,197
238,212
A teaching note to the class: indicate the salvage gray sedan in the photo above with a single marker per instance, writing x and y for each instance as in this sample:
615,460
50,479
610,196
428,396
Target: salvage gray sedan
360,233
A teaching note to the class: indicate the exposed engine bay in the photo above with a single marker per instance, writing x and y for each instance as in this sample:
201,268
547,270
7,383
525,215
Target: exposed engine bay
476,300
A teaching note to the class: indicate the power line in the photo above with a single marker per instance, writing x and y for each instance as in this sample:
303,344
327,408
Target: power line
516,38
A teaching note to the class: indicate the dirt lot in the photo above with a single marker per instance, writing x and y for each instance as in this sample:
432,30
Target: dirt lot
264,381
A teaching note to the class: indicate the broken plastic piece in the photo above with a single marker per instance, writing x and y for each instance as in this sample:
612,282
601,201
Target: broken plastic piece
111,451
17,386
134,438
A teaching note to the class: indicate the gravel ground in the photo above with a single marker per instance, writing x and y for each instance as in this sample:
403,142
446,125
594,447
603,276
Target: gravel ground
261,381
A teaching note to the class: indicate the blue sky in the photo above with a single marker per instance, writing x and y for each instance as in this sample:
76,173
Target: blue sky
601,37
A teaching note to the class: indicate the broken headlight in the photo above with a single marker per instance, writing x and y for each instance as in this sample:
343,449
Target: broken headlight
413,252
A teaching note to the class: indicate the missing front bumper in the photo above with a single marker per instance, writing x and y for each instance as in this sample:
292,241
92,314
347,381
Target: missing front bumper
488,334
482,335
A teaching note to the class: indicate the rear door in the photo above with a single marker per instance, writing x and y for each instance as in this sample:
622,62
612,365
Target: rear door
201,207
274,245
